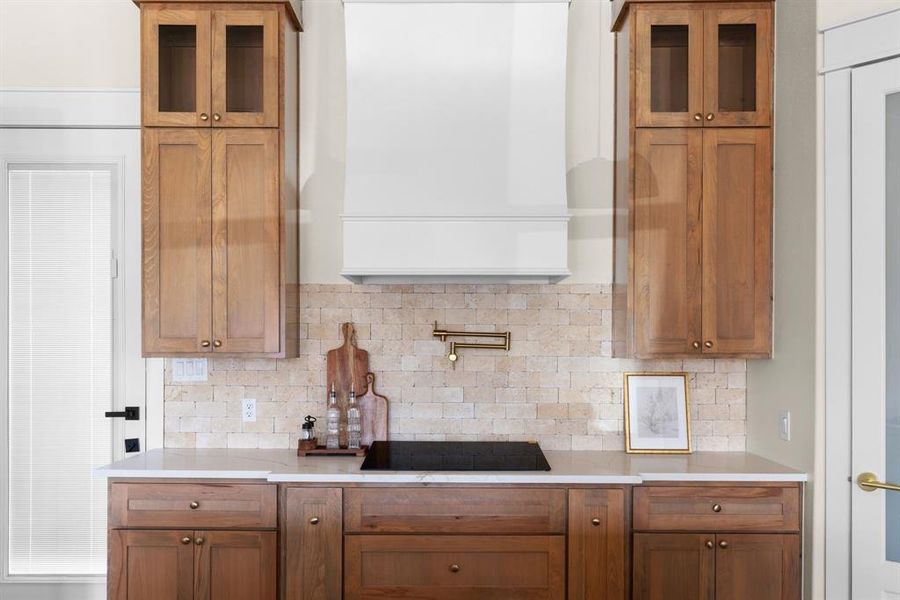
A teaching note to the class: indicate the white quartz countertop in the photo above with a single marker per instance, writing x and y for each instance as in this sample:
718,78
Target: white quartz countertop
566,468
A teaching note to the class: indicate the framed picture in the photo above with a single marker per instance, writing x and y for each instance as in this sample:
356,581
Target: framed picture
657,414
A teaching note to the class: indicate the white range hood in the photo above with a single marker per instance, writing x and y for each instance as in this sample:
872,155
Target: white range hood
455,141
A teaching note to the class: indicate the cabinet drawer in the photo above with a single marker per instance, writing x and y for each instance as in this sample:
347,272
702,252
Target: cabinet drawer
192,505
454,567
454,510
711,508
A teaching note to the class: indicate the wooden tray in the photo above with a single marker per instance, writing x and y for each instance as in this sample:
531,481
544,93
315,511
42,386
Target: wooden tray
323,451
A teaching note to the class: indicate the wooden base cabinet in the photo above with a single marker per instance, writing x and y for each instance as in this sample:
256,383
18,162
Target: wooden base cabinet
312,543
596,544
192,565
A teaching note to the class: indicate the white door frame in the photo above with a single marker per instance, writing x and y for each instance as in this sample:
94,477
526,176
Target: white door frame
843,47
28,112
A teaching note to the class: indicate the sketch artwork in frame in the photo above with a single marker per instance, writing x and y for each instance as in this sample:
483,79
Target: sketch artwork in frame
657,414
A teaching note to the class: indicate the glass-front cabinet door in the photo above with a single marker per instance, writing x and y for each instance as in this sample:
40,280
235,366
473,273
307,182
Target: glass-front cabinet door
737,75
245,68
175,69
669,67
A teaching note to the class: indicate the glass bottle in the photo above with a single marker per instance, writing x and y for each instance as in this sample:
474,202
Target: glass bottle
354,426
333,417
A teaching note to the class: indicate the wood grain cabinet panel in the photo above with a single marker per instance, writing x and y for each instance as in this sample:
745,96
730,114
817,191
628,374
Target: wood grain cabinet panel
454,510
454,567
674,566
176,213
667,238
150,565
596,541
758,567
235,565
192,505
737,241
311,543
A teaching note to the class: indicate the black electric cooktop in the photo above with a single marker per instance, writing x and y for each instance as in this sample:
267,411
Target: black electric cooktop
455,456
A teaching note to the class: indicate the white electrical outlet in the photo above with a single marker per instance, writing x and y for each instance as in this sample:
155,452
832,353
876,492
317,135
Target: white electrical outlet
248,410
189,370
784,425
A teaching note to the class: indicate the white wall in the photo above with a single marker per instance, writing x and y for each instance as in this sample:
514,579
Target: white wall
835,12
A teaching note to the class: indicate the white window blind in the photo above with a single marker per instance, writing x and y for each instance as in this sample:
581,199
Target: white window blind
60,366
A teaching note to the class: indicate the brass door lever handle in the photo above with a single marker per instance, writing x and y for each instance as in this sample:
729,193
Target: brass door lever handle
868,482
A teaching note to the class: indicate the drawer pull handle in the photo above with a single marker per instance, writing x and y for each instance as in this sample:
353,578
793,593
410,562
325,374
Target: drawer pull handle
709,544
314,521
717,508
194,505
723,544
595,522
199,541
185,540
454,568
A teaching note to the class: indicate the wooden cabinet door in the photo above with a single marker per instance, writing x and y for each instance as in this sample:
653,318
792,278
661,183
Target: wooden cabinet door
596,544
245,68
737,242
674,566
150,565
246,241
235,565
737,87
455,567
758,567
667,237
175,54
312,544
177,297
668,48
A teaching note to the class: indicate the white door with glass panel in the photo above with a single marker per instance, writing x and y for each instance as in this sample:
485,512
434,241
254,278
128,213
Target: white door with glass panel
70,241
876,331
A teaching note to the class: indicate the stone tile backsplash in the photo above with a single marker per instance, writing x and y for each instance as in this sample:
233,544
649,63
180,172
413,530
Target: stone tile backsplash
557,385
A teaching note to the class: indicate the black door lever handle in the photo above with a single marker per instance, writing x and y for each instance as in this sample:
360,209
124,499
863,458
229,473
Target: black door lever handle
131,413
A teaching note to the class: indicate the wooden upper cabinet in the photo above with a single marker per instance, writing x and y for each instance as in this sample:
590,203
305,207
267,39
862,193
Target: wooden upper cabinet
737,242
176,207
245,68
235,565
674,566
150,565
246,249
597,544
312,543
667,240
175,69
738,66
668,82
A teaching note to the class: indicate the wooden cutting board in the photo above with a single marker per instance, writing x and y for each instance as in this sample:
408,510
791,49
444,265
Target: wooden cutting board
347,366
373,410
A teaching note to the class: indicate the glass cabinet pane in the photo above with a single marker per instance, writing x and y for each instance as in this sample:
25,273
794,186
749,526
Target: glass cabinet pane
737,67
244,68
177,68
669,68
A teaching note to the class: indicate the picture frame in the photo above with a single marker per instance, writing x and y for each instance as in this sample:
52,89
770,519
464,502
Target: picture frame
657,413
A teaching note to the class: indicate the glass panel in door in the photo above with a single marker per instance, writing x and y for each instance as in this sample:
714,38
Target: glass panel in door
892,319
669,80
738,74
245,68
176,68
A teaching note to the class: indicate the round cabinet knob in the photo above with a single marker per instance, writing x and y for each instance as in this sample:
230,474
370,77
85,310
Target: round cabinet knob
723,544
696,345
205,343
199,541
595,522
218,117
707,344
217,343
314,521
454,568
709,544
185,540
698,117
194,505
717,508
204,117
710,117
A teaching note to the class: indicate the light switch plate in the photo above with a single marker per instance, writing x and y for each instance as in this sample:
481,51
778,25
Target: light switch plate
784,425
189,370
248,410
